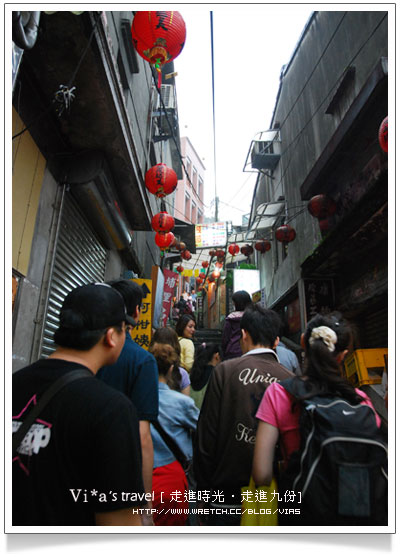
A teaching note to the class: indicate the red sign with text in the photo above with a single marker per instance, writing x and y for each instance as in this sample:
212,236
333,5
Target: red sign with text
170,281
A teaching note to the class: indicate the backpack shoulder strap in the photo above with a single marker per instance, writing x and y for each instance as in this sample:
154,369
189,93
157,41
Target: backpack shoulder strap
171,444
294,386
54,388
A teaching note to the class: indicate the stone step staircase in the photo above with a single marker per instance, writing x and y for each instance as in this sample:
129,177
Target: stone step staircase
207,336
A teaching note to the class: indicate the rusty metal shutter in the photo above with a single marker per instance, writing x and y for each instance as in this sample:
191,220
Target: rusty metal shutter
79,258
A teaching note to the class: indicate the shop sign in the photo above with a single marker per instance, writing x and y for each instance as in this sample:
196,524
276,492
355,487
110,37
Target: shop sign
141,334
211,235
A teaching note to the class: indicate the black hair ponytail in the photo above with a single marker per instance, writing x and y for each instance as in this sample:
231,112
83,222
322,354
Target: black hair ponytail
325,337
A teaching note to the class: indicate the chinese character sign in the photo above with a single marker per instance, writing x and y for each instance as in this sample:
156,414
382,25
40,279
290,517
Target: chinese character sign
141,334
319,296
170,281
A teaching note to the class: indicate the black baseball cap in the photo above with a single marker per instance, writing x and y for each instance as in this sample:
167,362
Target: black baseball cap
93,307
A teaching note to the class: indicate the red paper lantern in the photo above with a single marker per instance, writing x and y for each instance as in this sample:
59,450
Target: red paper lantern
158,37
202,276
321,206
233,249
219,265
199,280
162,222
164,239
161,180
324,225
285,234
180,246
212,253
205,264
186,255
263,246
383,135
247,250
180,269
220,253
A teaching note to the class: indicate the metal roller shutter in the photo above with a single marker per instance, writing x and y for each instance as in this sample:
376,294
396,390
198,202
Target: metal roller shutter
79,258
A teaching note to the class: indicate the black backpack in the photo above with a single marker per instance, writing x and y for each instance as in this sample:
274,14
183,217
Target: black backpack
339,475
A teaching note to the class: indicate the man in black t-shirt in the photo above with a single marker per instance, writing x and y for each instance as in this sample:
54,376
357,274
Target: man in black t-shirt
80,462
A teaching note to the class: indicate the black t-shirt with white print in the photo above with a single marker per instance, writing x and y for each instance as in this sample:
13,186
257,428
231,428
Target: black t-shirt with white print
82,455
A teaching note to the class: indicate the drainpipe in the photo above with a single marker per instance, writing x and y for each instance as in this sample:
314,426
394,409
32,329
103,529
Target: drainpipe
25,27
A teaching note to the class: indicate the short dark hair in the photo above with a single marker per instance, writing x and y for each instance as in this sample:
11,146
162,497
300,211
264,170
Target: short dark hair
131,292
261,324
80,339
182,323
241,299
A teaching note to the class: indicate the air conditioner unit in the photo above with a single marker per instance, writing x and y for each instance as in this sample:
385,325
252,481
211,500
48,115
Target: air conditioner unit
167,96
263,156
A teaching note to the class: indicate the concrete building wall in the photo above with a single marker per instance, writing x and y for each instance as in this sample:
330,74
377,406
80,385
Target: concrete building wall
189,199
332,43
30,300
39,206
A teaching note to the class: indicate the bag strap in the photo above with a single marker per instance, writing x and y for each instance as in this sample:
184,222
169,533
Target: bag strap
54,388
171,444
294,386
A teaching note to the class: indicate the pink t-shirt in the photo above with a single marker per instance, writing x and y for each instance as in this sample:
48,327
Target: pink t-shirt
276,409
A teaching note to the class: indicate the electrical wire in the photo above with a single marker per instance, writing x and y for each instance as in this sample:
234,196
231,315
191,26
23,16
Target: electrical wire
241,187
213,101
232,207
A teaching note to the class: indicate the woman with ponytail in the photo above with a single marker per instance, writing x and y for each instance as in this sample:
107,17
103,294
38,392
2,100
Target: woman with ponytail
326,342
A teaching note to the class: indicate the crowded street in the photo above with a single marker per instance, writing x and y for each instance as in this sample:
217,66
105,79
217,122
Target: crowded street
200,294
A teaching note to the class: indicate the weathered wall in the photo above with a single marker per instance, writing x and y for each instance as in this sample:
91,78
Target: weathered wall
332,42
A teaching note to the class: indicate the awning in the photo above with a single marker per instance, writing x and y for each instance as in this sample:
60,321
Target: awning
266,216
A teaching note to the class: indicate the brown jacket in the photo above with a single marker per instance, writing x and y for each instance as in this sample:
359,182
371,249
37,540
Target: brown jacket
226,430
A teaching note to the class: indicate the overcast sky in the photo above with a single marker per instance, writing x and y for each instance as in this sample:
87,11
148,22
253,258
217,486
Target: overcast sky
251,44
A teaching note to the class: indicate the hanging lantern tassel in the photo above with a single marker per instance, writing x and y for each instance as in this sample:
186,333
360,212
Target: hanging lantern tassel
158,69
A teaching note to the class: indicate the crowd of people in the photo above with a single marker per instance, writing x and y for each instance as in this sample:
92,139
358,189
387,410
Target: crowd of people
170,436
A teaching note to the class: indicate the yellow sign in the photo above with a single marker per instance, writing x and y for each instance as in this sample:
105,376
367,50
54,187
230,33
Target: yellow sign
141,334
